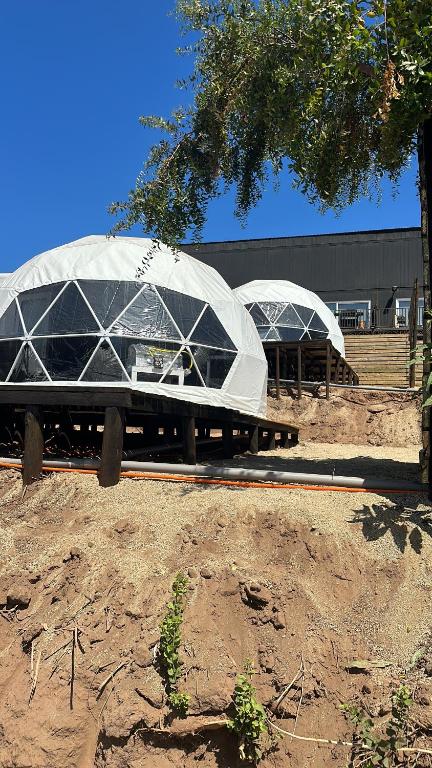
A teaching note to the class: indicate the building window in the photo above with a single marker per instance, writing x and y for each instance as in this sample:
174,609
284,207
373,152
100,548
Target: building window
351,314
403,310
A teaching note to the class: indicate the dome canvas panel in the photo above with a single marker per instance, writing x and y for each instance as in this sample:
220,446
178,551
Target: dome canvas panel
112,312
293,313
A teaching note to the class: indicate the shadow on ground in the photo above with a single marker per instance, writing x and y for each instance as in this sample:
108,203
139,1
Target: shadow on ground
405,524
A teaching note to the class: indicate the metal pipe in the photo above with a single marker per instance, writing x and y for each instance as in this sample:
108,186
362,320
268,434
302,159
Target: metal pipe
237,473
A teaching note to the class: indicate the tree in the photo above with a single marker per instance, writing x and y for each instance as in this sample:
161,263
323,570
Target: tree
337,91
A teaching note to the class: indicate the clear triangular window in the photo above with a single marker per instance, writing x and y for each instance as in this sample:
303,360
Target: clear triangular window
305,313
290,334
65,358
262,330
8,353
273,334
271,309
290,317
211,331
28,367
104,366
35,302
69,314
10,323
258,315
317,334
316,324
214,365
108,298
185,310
146,317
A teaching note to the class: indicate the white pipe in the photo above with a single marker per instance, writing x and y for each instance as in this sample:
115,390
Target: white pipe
238,473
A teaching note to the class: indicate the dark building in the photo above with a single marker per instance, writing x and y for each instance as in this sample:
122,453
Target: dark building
366,278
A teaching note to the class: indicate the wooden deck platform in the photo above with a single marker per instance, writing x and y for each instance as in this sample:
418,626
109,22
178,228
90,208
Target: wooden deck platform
33,408
311,361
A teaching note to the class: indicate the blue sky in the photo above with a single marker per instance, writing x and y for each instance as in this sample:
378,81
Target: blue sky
75,76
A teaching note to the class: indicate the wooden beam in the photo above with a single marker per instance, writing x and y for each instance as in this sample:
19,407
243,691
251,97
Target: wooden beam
189,442
33,445
254,439
277,373
299,371
112,446
227,440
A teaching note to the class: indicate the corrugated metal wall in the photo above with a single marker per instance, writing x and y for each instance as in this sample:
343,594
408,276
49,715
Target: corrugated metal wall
348,266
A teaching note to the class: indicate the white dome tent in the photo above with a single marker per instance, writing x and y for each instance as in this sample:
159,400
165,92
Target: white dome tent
123,312
284,311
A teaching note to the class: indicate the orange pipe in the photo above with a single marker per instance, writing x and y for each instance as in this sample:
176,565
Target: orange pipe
235,483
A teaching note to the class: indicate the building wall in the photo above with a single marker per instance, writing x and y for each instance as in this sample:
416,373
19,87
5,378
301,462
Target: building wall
352,266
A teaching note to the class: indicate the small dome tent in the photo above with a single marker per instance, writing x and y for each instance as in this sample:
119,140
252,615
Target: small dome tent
125,312
284,311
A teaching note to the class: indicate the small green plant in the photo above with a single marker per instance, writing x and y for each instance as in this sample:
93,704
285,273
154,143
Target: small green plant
179,703
381,749
169,645
249,721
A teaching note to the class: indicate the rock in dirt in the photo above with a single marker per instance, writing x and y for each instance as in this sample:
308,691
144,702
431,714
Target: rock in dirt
206,573
256,595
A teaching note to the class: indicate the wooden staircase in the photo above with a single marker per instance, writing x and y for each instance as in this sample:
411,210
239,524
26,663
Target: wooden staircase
381,358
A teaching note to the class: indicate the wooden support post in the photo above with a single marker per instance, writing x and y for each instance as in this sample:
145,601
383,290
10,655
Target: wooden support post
254,439
285,440
227,441
299,371
328,370
413,331
201,432
271,441
277,373
189,442
337,372
112,446
33,445
344,372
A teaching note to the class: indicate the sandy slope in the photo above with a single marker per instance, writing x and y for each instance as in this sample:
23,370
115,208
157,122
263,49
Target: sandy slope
340,577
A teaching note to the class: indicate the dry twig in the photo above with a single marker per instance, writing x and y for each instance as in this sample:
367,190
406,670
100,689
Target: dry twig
104,684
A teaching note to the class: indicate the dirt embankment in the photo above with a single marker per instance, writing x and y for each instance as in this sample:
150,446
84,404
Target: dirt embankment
284,578
359,417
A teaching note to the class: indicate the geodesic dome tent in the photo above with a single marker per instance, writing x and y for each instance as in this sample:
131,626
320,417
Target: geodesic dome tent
284,311
121,311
